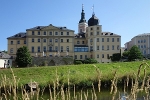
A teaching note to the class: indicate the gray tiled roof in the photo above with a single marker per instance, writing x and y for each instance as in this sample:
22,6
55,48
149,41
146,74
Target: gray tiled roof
41,27
144,34
4,55
18,35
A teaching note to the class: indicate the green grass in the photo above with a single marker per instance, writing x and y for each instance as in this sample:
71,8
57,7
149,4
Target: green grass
77,74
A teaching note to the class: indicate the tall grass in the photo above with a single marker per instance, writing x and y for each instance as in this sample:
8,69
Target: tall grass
59,90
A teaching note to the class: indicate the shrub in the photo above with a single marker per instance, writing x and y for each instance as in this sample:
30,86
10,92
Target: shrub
77,62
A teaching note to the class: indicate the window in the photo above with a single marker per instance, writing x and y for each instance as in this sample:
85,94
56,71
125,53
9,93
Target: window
141,46
44,48
118,47
11,50
107,39
44,33
61,33
112,47
97,28
102,55
61,40
50,40
56,40
80,30
117,39
107,56
67,48
144,41
91,40
24,41
56,48
67,33
85,56
144,46
97,55
32,40
18,42
91,33
38,32
11,42
61,48
32,49
144,51
56,33
97,47
32,32
44,40
91,48
107,47
75,57
38,40
81,49
141,41
91,28
80,56
50,33
112,39
50,49
97,39
138,41
78,42
82,42
102,39
102,47
97,33
67,40
38,48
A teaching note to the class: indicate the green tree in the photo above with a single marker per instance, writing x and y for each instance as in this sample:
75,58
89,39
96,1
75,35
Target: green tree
23,57
125,53
134,53
115,57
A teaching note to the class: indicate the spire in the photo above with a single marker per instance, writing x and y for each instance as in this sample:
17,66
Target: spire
93,10
82,15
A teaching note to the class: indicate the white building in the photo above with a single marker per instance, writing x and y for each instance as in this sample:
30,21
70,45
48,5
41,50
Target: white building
5,60
142,41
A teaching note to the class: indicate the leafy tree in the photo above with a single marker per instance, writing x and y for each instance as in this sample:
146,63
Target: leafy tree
90,61
115,57
135,53
23,57
126,53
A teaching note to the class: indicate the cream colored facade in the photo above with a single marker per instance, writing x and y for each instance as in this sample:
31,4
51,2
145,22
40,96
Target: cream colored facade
89,42
142,41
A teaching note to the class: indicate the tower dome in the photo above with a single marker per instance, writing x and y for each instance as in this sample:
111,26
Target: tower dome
93,21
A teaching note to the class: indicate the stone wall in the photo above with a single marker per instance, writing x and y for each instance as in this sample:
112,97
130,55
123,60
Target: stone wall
51,61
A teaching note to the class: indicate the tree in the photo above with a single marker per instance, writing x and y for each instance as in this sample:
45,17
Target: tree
23,57
126,53
115,57
134,53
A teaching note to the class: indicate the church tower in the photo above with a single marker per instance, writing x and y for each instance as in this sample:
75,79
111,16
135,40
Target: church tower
82,23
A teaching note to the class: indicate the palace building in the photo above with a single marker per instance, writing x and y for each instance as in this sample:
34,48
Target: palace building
89,42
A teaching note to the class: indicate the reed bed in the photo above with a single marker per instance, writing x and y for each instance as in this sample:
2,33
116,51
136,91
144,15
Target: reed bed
10,90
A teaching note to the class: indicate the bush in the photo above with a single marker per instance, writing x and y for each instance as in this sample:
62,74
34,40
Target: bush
90,61
77,62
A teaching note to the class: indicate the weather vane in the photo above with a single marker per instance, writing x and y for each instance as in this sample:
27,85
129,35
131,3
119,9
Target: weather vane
93,9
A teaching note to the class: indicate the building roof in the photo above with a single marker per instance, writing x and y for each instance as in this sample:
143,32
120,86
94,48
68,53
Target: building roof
42,27
93,21
144,34
18,35
80,35
109,34
4,55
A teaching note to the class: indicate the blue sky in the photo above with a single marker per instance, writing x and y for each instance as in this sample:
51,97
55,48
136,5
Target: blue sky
127,18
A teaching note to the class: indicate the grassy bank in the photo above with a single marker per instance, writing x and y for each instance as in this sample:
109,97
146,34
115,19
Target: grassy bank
82,75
